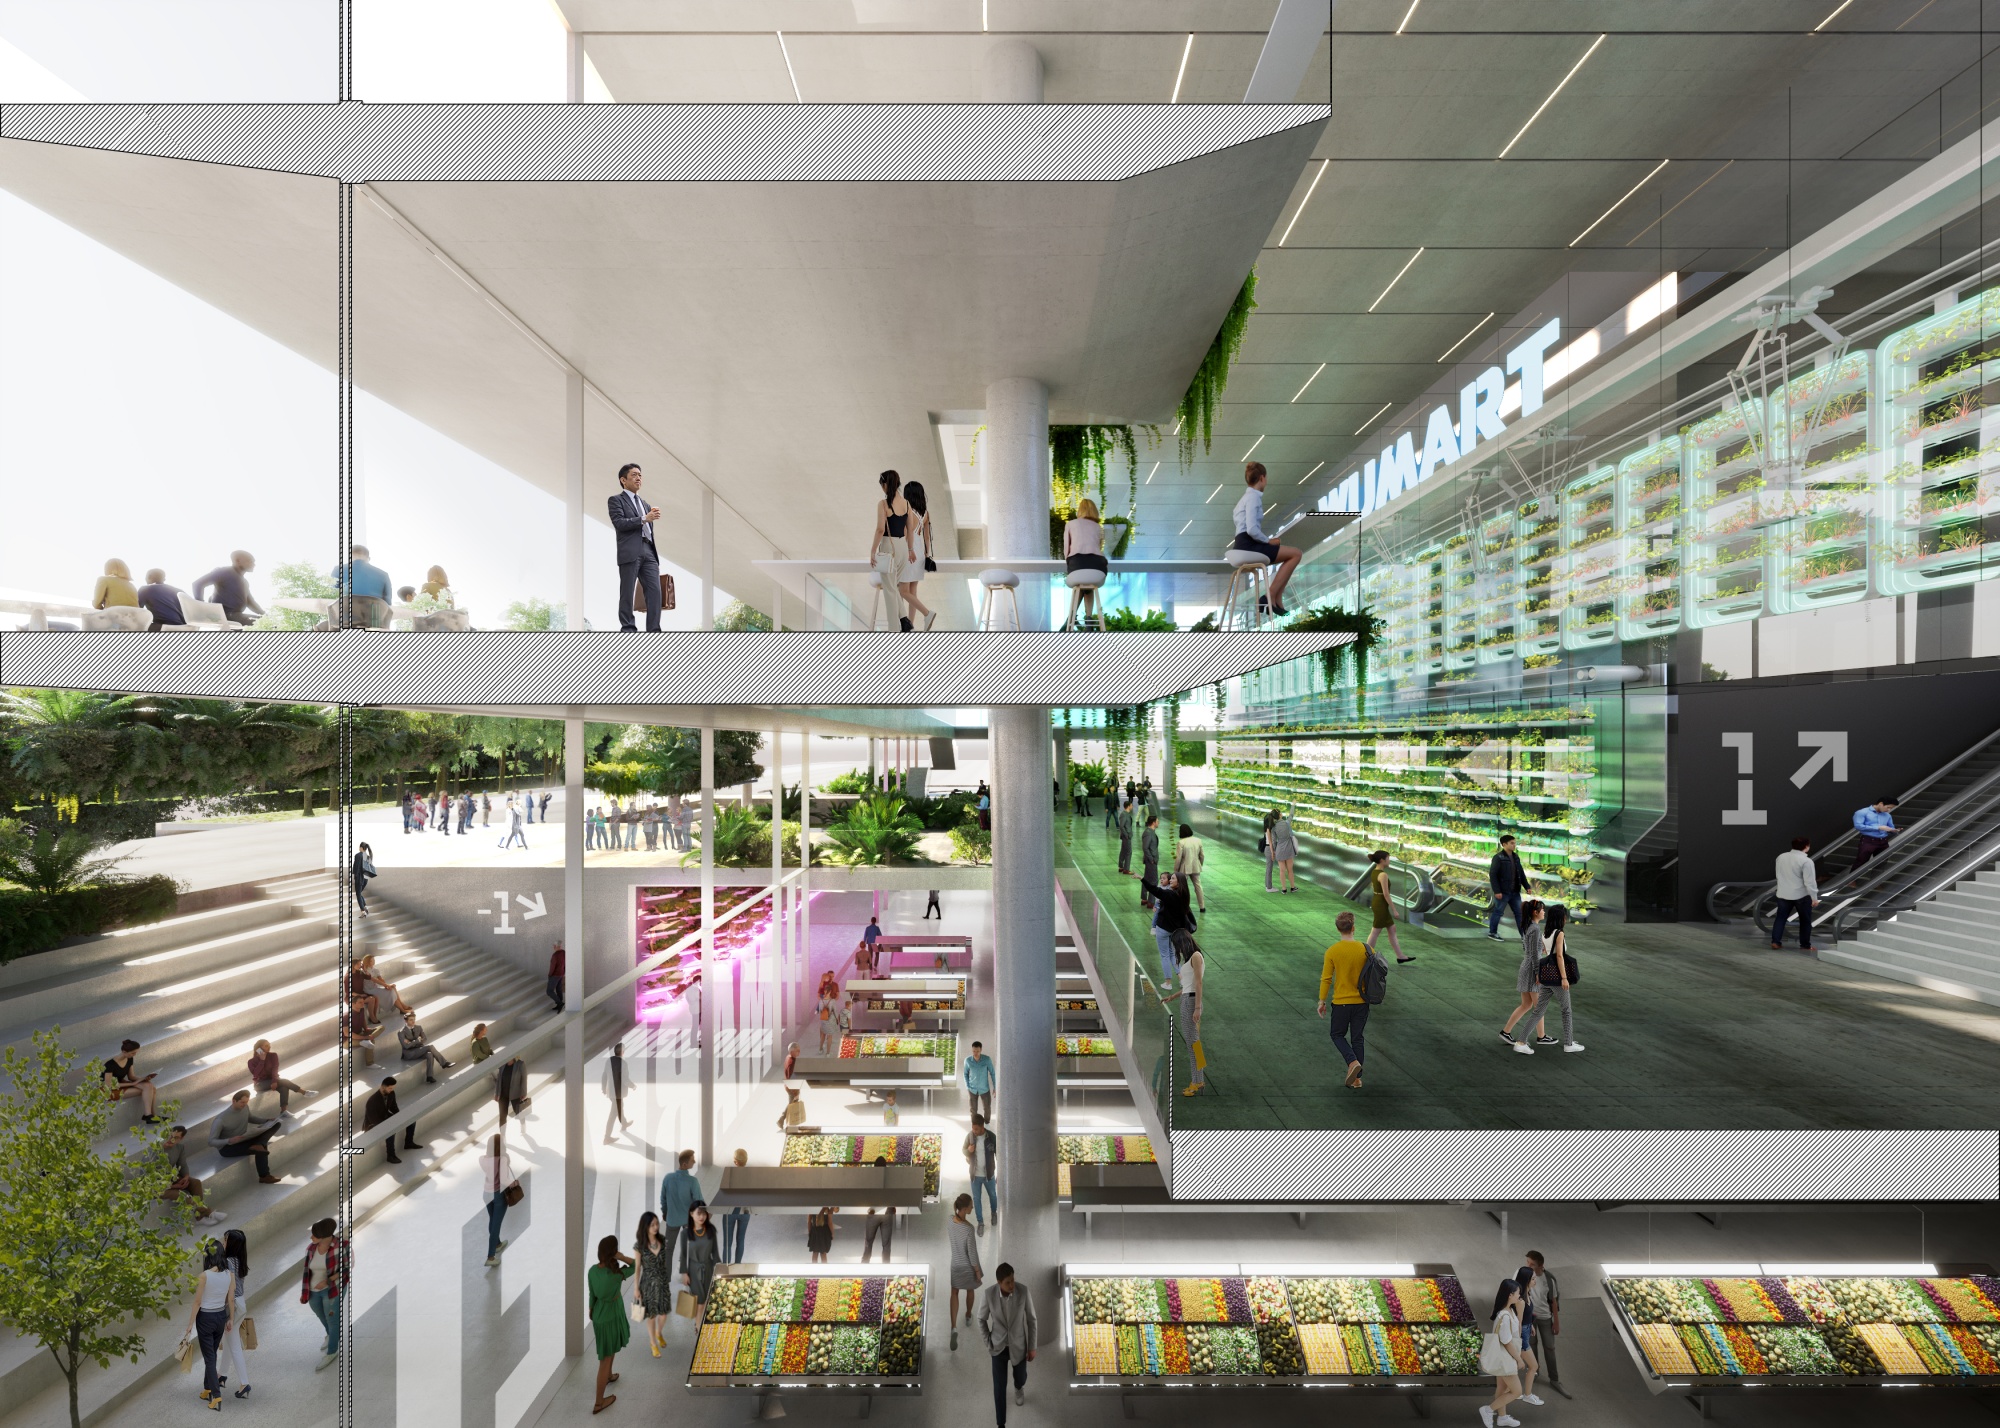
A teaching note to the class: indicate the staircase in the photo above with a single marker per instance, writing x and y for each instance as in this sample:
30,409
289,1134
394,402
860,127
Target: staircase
1949,943
197,991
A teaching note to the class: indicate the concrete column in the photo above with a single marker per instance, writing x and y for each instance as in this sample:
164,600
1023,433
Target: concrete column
1012,73
707,558
777,939
711,994
573,488
1016,455
803,943
573,68
1023,980
575,1207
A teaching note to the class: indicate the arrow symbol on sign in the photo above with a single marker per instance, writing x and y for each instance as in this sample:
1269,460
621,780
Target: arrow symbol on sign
540,908
1832,748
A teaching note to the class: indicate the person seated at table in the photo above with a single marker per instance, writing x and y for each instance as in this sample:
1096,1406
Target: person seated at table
1083,549
437,587
162,599
368,589
115,589
225,586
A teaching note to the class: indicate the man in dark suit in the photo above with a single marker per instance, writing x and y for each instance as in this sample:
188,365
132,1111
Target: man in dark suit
638,557
378,1108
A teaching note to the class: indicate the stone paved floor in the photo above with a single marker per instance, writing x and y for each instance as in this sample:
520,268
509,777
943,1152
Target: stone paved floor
1687,1025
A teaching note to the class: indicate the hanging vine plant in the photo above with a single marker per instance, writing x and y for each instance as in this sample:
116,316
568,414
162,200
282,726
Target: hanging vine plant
1080,466
1366,628
1204,393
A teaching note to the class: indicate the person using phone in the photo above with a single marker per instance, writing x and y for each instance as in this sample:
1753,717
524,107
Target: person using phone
122,1080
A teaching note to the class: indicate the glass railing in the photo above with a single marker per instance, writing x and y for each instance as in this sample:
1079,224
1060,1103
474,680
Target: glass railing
1127,984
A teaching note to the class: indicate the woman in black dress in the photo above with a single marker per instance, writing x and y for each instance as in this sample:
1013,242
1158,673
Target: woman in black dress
819,1234
656,1281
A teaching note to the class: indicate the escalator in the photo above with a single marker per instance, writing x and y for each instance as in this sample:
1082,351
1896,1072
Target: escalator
1926,909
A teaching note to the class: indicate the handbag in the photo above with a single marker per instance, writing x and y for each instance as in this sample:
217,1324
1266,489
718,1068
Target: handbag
638,1312
184,1352
1493,1356
1547,974
512,1194
246,1333
666,591
930,566
686,1305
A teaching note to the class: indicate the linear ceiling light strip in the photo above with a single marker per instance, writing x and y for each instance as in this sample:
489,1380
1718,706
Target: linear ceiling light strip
1317,176
1309,381
1186,50
1468,336
1615,207
1552,97
786,51
1397,279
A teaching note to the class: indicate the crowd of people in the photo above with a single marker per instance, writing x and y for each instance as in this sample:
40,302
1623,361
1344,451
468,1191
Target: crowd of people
364,596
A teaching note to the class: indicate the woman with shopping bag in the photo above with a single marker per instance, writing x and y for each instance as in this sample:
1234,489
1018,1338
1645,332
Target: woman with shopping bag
701,1250
1500,1355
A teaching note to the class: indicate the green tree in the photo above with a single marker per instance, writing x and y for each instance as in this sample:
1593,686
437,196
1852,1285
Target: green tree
738,616
72,744
86,1245
297,580
673,757
535,613
743,840
46,862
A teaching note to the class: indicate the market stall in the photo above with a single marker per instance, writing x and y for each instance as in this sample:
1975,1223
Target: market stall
938,1002
802,1186
843,1145
937,950
1098,1148
1088,1063
1395,1328
1699,1328
884,1061
1078,1012
805,1327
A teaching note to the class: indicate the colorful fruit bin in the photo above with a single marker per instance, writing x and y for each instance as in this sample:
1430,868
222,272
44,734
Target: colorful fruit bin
1808,1326
1093,1149
855,1331
862,1149
1400,1328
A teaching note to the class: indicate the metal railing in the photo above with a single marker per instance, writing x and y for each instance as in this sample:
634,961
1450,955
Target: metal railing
1758,899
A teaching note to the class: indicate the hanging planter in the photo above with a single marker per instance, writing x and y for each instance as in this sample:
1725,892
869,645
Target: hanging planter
1204,393
1366,628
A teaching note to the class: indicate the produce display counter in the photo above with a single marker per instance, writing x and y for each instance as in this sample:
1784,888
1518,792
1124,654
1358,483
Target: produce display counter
1696,1329
1385,1328
1078,1011
801,1327
801,1187
936,1001
837,1146
1088,1063
936,950
1114,1149
877,1060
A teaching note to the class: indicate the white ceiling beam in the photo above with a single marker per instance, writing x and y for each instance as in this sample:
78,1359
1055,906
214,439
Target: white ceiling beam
1288,49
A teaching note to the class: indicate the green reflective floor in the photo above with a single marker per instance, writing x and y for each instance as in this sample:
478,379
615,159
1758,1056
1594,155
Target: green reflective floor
1686,1026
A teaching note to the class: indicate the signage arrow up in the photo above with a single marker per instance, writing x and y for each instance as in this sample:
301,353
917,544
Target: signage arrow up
1832,746
540,908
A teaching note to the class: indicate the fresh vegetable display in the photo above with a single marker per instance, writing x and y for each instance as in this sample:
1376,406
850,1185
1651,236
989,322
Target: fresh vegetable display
1815,1325
1085,1046
1265,1326
944,1047
764,1325
924,1150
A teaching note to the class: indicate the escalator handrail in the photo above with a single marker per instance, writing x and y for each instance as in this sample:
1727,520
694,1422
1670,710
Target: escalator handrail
1965,867
1759,893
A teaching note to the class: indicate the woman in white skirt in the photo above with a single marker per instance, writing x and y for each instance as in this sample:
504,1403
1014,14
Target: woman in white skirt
920,551
890,549
1500,1355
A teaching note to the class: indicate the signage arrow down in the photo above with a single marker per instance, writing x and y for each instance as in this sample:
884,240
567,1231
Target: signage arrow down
540,908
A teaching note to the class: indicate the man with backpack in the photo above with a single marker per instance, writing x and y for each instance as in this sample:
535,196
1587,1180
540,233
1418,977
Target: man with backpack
1351,979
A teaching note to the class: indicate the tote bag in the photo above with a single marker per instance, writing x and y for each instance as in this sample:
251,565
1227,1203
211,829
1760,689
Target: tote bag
1494,1358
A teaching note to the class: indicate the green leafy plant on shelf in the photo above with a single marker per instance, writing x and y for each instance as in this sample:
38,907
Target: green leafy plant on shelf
1204,393
1128,619
1363,624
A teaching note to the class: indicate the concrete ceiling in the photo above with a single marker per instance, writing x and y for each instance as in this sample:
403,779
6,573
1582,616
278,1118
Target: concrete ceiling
779,342
1751,107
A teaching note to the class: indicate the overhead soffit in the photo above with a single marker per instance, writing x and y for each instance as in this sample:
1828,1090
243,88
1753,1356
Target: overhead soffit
785,341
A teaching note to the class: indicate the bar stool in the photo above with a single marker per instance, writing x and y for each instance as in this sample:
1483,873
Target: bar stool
999,581
1080,581
1247,569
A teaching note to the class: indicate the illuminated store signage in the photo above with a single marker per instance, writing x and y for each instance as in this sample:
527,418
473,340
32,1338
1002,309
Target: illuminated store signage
1487,402
1408,461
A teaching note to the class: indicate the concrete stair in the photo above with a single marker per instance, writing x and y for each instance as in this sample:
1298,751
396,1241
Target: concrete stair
197,992
1949,943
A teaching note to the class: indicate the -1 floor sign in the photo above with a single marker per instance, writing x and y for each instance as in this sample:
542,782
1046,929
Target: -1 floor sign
531,908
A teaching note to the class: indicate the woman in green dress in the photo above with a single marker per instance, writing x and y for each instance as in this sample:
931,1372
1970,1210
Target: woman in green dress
1379,904
606,1282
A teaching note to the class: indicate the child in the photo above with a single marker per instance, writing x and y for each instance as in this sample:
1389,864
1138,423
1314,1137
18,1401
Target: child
889,1116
